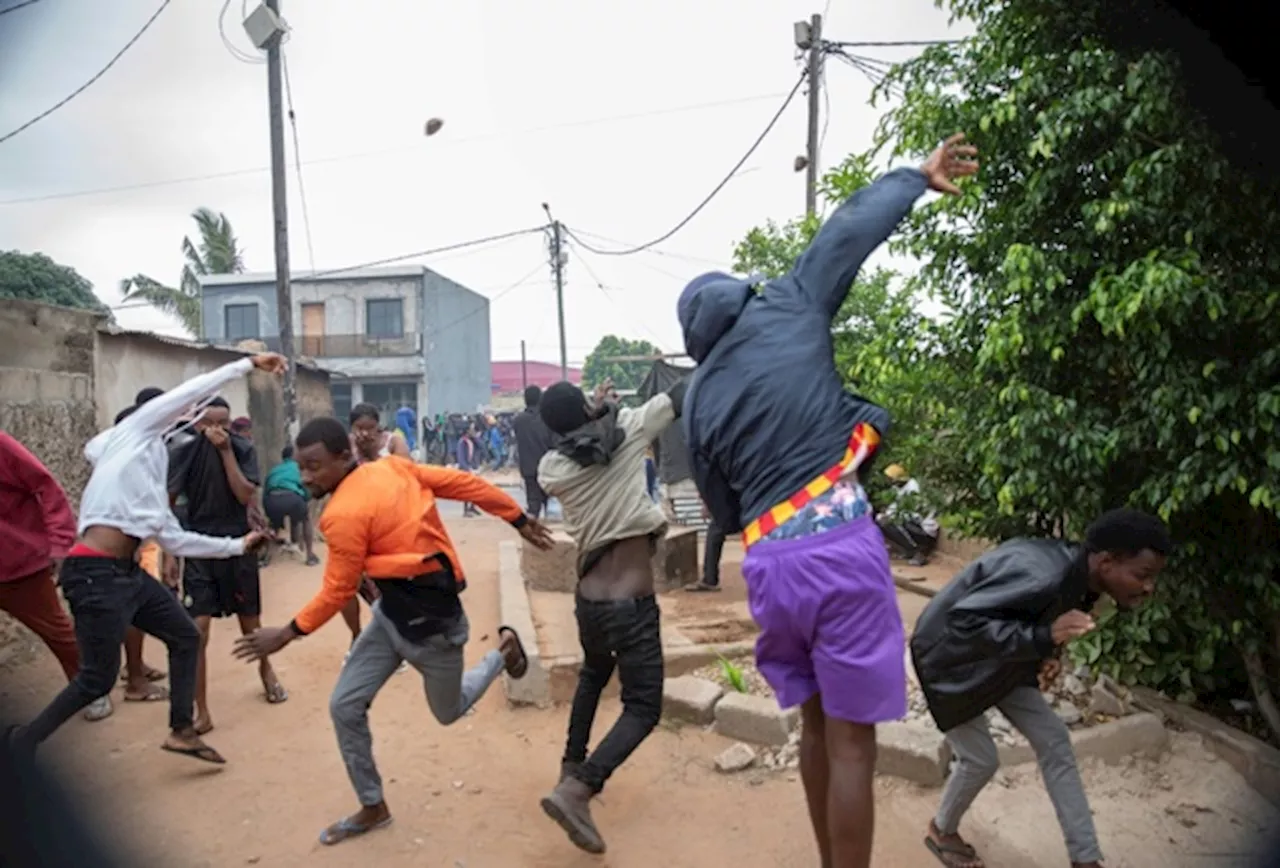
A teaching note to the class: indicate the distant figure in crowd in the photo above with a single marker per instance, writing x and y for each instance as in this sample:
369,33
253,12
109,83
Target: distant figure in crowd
776,446
125,503
407,425
284,496
467,464
218,473
596,471
382,520
994,632
650,474
711,555
38,527
497,447
432,443
533,439
911,535
242,426
369,441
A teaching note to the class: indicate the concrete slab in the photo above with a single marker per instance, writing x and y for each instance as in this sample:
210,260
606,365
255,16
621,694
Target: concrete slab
913,750
1141,734
690,699
675,562
755,719
515,612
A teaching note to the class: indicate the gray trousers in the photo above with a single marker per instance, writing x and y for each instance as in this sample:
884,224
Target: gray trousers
374,659
977,761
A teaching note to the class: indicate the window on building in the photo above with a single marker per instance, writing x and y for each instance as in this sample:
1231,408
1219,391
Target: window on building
240,322
390,397
384,318
341,395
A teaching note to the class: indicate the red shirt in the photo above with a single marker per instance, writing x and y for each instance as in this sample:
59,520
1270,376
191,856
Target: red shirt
36,521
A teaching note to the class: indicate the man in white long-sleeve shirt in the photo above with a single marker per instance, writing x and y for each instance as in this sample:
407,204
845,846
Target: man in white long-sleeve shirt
126,502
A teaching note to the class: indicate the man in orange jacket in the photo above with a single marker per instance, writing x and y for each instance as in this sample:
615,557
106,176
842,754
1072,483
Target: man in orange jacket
382,520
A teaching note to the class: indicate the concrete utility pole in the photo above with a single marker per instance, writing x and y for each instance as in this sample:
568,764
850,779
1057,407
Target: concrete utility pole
280,210
524,370
815,90
558,258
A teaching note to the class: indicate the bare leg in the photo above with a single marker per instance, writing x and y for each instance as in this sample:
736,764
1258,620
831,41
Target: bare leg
271,685
851,810
815,773
138,675
309,543
204,720
351,615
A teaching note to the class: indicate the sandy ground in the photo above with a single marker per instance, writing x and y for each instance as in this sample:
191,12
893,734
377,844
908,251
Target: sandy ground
467,797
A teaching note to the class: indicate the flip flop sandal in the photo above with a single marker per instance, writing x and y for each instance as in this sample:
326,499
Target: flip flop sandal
345,828
953,854
204,730
276,693
203,753
155,694
521,666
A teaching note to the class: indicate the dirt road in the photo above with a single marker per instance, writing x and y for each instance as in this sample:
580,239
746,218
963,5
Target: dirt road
467,796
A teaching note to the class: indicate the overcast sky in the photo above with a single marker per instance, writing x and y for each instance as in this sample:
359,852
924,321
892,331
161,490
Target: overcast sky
621,116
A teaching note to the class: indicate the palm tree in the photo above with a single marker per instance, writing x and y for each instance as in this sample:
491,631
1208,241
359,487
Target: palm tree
218,253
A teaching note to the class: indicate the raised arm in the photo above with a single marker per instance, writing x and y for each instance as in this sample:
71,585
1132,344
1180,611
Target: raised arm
826,270
183,543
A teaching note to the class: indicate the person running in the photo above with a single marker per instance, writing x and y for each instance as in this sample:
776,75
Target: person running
38,527
382,520
533,439
285,497
467,464
126,502
776,445
996,629
597,474
218,474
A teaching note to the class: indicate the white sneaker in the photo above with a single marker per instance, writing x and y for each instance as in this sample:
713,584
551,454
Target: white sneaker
99,709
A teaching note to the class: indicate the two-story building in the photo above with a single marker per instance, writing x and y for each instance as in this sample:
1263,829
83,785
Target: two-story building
391,337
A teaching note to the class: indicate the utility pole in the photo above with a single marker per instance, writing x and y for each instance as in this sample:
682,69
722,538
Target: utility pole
815,90
524,370
558,258
280,211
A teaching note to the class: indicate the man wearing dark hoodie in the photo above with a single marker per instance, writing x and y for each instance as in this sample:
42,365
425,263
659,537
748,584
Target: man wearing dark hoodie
776,444
596,471
533,439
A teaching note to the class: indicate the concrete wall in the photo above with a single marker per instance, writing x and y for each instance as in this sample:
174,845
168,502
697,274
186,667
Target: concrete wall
127,363
455,332
46,338
215,298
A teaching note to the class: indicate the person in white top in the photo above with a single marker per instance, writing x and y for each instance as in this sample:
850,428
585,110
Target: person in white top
126,502
913,535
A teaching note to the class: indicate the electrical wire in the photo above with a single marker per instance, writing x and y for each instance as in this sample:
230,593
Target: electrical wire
875,70
82,88
918,43
654,250
339,158
705,202
297,161
18,6
242,56
604,290
491,299
302,278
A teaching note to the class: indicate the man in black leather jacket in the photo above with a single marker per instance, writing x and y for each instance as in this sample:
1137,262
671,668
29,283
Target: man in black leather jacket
984,641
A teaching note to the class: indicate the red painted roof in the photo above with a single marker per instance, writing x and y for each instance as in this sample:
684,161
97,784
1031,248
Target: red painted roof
507,378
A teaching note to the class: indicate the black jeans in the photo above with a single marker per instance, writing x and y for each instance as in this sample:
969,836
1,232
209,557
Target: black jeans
909,538
622,635
107,597
535,497
711,557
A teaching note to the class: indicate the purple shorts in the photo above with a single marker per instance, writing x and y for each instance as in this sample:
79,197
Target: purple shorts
829,622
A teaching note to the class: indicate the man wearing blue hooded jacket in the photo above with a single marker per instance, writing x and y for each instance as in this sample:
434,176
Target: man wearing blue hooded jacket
776,444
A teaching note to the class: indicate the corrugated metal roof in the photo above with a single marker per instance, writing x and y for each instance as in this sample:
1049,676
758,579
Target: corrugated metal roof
193,345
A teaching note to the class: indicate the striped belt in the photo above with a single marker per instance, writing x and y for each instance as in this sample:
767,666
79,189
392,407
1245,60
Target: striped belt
862,443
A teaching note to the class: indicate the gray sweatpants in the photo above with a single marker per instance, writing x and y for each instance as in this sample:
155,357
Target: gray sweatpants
977,761
374,659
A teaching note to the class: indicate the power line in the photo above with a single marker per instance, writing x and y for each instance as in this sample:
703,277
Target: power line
582,260
18,6
297,160
654,250
82,88
727,178
340,158
429,252
919,43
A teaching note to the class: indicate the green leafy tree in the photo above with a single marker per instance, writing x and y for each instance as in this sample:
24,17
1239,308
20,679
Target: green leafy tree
218,252
36,277
1115,314
885,348
625,375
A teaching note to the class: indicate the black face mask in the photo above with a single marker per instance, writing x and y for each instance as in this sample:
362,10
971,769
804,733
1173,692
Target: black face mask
596,441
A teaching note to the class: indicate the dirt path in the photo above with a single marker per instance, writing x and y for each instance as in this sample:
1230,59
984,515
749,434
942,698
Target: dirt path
467,797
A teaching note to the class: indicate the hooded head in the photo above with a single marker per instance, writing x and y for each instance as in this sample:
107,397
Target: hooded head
708,307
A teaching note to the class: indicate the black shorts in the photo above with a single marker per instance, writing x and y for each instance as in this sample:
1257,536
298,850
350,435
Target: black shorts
219,588
280,504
